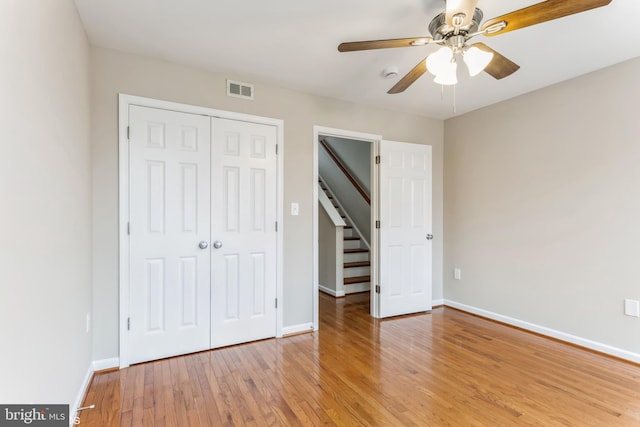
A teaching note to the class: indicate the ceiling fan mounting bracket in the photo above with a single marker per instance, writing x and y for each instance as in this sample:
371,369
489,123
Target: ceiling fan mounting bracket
440,30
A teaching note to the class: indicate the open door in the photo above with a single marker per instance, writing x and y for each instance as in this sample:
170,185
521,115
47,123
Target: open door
405,252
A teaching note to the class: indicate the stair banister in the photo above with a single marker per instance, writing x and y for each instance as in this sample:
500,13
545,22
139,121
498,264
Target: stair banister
345,171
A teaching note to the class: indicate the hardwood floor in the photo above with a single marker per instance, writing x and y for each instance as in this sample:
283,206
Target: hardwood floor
441,369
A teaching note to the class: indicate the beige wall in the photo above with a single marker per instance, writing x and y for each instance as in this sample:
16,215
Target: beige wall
115,72
542,206
45,210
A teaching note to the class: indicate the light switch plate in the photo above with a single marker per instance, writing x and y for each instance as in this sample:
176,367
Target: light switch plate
632,307
295,209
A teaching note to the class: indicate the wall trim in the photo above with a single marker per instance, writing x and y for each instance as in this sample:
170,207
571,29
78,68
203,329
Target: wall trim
82,393
337,294
543,330
437,302
101,365
297,329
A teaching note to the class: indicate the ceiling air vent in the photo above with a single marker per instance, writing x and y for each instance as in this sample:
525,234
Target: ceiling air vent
239,89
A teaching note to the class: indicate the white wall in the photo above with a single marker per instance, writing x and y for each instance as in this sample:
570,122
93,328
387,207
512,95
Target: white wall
330,248
542,207
115,72
45,203
356,155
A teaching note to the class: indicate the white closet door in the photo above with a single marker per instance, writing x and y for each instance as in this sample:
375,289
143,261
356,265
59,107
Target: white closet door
405,227
169,217
243,208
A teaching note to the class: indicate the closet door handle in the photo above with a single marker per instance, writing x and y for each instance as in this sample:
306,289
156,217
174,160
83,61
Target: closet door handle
217,244
203,245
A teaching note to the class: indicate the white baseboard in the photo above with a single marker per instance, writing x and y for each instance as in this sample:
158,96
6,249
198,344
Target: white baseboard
100,365
331,292
296,329
543,330
84,387
437,302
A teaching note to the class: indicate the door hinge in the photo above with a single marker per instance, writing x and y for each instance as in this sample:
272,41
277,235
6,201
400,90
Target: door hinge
276,302
128,323
377,160
128,128
377,224
128,228
276,148
276,225
377,289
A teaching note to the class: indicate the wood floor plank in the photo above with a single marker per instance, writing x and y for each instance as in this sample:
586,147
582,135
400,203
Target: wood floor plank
446,368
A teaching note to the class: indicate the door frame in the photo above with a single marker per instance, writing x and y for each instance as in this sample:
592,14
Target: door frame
124,101
375,213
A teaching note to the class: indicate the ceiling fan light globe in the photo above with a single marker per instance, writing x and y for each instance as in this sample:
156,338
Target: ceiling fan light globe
447,76
476,60
438,61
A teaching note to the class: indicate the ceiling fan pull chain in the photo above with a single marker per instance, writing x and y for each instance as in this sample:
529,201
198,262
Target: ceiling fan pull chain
454,98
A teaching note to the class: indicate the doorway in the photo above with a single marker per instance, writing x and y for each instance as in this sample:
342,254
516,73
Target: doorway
344,172
400,224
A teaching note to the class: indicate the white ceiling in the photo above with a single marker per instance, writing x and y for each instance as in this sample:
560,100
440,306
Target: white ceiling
293,43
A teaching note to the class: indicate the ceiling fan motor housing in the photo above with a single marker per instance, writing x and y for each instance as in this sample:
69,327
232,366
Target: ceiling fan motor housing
439,28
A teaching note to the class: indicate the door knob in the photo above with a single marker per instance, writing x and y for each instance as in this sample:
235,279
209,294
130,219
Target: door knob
429,236
217,244
203,245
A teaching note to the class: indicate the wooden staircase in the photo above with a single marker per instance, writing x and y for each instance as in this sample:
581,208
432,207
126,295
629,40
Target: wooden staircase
356,258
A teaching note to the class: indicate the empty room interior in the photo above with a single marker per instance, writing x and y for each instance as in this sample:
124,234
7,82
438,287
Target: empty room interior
419,212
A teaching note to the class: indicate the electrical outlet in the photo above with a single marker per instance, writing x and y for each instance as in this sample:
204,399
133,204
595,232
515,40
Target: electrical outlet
295,209
632,307
457,274
88,322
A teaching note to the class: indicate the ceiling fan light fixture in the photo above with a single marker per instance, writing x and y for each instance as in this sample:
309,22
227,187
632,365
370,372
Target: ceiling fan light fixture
447,75
476,60
438,61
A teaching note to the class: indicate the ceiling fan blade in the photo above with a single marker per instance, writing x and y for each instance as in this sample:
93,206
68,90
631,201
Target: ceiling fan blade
499,67
383,44
541,12
465,7
410,77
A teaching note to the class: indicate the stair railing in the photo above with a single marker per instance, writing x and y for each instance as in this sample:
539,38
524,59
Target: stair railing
333,156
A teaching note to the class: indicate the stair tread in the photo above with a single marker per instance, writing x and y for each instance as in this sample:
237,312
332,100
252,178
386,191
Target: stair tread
357,264
355,251
357,279
351,238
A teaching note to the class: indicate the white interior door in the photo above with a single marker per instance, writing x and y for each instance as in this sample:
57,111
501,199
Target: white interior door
169,216
243,209
405,226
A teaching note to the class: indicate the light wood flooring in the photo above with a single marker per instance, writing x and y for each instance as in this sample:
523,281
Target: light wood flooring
446,368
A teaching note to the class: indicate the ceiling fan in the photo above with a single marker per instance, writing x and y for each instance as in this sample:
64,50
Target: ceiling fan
453,28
